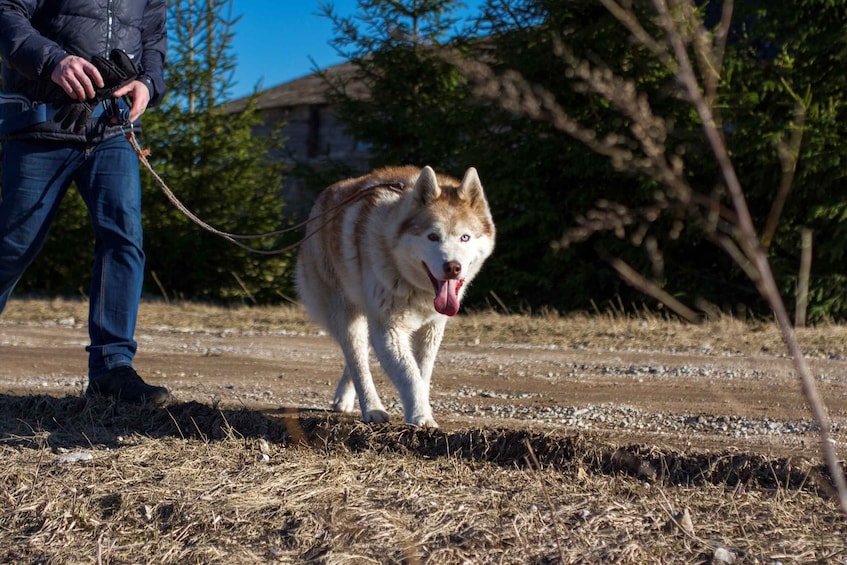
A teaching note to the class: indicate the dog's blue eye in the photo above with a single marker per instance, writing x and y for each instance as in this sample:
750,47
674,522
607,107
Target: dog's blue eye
465,237
433,237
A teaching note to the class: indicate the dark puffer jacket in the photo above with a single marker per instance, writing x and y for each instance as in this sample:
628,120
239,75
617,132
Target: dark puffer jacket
36,34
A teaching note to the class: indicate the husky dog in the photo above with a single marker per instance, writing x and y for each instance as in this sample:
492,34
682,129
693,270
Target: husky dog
386,260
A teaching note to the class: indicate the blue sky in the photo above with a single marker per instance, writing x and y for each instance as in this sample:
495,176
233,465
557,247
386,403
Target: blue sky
276,40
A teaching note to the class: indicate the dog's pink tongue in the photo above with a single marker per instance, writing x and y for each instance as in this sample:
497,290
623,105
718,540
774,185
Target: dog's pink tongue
447,297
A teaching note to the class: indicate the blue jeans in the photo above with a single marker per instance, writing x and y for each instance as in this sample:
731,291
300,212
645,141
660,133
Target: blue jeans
36,176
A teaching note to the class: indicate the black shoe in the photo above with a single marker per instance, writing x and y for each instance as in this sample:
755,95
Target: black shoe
124,384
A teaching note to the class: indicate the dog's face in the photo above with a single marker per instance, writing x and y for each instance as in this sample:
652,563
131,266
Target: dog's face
445,237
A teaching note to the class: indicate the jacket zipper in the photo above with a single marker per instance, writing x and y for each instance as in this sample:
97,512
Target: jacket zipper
109,17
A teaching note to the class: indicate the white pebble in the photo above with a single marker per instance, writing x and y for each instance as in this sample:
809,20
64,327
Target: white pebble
74,457
723,556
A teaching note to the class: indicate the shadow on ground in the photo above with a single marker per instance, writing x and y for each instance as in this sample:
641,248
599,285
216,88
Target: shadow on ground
78,422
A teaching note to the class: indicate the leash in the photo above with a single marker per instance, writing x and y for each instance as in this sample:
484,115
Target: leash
327,215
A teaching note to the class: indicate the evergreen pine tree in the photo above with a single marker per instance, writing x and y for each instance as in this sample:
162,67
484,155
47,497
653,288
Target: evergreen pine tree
215,166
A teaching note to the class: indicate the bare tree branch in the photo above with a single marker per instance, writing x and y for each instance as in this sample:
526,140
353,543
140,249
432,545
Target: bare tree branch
625,16
789,155
650,288
755,252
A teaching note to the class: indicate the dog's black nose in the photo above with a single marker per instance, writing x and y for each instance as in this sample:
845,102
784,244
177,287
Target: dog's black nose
452,269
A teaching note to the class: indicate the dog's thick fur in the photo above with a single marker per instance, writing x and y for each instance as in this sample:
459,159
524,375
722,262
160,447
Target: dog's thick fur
386,260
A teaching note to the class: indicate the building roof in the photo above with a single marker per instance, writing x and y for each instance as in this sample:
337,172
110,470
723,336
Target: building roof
307,90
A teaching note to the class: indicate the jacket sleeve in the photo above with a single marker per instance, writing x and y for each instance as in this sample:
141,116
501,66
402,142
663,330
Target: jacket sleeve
154,39
21,46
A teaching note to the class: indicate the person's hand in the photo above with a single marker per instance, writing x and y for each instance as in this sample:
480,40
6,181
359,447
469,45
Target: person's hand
110,76
138,92
78,77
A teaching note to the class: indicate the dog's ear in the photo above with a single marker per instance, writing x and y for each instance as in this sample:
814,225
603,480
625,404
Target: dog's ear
471,188
426,188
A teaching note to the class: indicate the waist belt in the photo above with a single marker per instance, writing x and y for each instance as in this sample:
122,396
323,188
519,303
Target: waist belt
18,112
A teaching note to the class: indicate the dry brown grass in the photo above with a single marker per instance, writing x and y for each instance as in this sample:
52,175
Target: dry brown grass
201,484
194,484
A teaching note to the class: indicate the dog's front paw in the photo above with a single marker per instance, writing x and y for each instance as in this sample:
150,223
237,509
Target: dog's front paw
344,405
423,421
375,417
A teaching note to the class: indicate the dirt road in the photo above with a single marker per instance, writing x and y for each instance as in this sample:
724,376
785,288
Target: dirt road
632,391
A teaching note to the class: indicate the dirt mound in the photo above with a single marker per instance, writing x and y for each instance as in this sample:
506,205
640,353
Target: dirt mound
77,421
